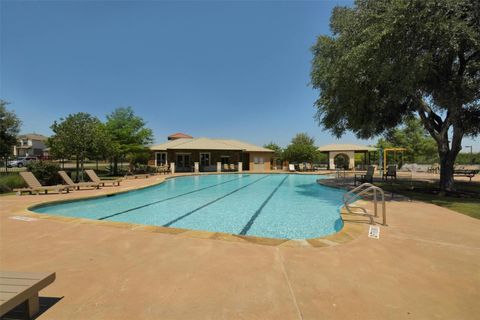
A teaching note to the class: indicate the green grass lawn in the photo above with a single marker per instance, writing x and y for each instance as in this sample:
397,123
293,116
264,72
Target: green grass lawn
466,200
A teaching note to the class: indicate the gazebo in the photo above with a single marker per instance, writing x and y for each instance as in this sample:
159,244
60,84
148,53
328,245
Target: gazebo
343,155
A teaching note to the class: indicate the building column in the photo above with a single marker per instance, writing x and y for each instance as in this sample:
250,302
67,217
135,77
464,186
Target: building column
172,167
240,167
219,167
197,167
331,161
351,164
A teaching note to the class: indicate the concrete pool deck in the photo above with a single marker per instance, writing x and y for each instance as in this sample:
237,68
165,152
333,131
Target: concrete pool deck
425,265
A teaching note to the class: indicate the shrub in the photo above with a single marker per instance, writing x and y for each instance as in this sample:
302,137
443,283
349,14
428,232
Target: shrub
10,182
46,172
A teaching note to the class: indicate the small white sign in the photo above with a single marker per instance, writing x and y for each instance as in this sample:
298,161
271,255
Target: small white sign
374,232
28,219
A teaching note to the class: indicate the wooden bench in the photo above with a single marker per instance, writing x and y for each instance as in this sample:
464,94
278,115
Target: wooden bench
22,287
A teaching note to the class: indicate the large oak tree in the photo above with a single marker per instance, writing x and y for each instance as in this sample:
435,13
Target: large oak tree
388,60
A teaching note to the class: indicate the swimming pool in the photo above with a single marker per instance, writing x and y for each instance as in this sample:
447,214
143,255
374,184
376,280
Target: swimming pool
289,206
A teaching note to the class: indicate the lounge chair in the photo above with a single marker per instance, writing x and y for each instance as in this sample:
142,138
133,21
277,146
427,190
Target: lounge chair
301,167
308,167
163,169
226,167
77,185
368,177
22,287
232,167
93,176
291,167
435,168
131,175
391,172
34,186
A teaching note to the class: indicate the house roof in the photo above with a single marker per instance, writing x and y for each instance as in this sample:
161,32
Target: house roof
345,147
33,136
208,144
179,135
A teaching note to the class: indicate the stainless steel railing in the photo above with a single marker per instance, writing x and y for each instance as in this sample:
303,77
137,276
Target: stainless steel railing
361,190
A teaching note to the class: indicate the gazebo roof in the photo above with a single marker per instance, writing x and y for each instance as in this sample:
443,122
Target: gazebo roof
179,135
345,147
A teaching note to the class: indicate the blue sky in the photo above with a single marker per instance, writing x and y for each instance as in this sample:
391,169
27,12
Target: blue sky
226,69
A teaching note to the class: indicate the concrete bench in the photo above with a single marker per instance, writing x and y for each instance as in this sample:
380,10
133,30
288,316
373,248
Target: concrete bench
22,287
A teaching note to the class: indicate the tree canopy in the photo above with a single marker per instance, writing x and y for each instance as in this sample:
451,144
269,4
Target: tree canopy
128,134
388,60
9,129
421,147
74,136
301,149
275,147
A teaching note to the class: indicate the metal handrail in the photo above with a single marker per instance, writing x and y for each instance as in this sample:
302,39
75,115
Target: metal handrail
361,190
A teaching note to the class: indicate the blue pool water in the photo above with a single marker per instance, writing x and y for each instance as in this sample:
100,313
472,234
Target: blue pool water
267,205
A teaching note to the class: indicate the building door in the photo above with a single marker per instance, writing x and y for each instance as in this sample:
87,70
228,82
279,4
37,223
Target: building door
183,162
160,158
204,159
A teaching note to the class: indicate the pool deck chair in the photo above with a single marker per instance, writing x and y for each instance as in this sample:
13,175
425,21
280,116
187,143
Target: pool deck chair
226,167
34,186
93,176
131,175
391,172
22,287
368,177
291,167
232,167
77,185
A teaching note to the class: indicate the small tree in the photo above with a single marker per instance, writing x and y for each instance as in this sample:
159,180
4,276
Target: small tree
388,60
75,135
278,152
128,134
9,129
302,149
101,147
275,147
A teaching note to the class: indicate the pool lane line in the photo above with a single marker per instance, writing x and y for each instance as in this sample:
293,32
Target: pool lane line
259,210
166,199
168,224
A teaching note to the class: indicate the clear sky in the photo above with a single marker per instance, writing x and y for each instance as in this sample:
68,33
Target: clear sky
225,69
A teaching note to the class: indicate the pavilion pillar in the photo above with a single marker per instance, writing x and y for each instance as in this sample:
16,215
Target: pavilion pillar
240,167
172,167
219,167
351,164
197,167
331,161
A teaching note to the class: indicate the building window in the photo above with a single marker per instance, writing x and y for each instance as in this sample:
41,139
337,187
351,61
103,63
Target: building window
204,158
160,158
225,159
258,160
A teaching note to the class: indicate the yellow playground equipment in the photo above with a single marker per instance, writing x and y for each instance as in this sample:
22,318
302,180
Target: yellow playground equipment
386,151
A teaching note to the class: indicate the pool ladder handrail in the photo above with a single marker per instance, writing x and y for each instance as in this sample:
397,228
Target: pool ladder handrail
340,174
362,190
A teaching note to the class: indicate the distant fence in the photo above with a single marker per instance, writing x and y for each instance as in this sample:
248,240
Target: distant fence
12,170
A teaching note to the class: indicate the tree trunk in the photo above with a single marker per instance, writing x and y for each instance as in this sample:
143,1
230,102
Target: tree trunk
77,160
115,165
81,175
446,172
448,153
